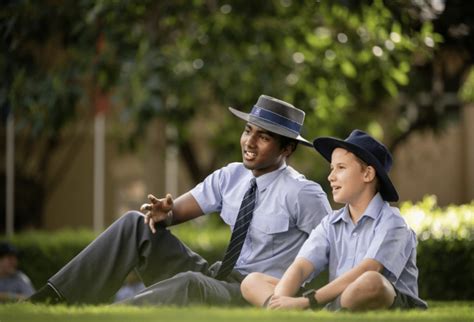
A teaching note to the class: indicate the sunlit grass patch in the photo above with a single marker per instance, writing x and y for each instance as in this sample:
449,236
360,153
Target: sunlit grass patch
439,311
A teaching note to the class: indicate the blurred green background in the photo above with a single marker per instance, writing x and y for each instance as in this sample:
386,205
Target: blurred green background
393,68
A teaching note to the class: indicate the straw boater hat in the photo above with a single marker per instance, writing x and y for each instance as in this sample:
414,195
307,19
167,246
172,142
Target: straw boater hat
275,116
367,149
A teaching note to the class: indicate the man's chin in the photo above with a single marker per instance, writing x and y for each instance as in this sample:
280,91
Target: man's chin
248,166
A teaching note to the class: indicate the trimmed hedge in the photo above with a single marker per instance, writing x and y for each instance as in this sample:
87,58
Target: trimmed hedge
446,266
44,253
445,248
446,269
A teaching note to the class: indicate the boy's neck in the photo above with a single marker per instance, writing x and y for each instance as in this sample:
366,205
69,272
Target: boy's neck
359,206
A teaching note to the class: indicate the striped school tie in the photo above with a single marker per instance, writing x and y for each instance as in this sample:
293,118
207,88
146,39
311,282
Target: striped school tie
240,231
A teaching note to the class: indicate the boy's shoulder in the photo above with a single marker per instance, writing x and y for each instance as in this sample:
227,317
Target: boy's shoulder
392,216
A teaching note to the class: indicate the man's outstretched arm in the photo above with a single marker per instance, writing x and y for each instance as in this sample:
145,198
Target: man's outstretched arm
173,212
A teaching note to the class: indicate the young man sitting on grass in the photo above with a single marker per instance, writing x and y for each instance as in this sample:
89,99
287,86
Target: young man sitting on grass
270,207
368,247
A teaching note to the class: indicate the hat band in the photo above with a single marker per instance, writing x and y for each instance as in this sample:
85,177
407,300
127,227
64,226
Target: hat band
269,116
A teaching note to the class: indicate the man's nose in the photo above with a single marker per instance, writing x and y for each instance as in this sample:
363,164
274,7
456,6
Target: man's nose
250,141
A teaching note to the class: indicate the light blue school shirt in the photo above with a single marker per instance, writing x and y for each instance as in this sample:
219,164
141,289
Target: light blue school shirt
380,234
17,283
287,208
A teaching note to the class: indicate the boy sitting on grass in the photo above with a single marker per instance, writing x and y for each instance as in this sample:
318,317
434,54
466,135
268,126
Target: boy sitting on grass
367,245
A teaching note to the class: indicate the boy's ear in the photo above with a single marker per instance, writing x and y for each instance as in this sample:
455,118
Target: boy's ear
369,174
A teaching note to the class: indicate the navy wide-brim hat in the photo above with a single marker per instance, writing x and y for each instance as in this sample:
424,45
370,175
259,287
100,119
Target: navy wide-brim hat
367,149
276,116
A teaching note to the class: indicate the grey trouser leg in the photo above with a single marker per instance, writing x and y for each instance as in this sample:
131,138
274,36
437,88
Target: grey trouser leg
96,273
189,288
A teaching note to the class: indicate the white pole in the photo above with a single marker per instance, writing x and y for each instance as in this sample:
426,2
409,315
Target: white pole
10,171
171,162
99,171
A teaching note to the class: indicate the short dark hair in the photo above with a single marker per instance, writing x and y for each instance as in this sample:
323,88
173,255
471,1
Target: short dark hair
7,249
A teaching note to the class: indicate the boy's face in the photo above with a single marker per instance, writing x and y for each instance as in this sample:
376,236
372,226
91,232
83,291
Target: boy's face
347,178
261,151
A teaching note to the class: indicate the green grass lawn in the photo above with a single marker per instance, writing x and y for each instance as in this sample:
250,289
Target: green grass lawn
439,311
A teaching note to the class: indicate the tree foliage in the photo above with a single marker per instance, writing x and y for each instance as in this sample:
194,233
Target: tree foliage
344,63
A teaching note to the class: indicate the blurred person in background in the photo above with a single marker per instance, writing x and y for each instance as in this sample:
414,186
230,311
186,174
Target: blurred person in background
14,284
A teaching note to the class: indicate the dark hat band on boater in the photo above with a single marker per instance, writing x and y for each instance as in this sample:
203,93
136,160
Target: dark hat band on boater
269,116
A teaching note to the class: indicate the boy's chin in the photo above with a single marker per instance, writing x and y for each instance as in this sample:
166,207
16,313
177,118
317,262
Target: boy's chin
338,200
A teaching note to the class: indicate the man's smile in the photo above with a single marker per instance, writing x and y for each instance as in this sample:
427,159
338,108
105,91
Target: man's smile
249,156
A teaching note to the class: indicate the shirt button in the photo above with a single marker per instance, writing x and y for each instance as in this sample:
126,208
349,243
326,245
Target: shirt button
354,234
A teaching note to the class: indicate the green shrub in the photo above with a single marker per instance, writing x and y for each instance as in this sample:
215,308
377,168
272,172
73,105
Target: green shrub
445,249
432,222
44,253
446,269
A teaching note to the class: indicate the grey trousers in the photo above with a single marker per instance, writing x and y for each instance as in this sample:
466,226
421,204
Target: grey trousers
173,273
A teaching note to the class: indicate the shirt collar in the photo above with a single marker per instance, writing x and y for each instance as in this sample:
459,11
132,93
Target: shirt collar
373,210
264,180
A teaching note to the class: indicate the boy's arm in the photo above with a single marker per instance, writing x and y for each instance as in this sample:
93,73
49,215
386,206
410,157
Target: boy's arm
289,284
300,270
331,290
293,277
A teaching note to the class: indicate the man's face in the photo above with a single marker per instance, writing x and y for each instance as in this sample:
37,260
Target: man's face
261,151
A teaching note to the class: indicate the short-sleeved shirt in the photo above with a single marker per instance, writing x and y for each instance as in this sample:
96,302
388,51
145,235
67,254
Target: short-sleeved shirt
380,234
18,284
287,208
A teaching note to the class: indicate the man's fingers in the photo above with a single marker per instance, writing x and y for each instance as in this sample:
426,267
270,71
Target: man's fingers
151,224
149,221
145,207
147,217
169,200
153,199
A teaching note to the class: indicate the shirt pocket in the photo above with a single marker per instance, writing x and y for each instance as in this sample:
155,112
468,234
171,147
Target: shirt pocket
272,231
229,215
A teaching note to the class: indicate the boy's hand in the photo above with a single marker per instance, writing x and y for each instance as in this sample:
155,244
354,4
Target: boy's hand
157,210
278,302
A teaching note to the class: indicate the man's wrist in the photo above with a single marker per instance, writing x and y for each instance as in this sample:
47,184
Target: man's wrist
169,218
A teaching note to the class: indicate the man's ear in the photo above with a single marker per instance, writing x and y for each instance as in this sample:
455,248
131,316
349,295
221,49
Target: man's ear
288,149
